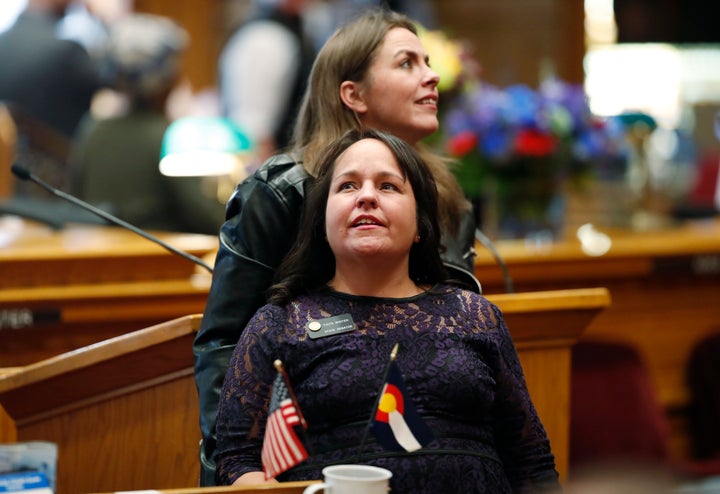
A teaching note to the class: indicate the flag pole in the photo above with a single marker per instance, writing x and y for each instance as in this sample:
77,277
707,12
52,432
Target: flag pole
393,354
281,369
282,449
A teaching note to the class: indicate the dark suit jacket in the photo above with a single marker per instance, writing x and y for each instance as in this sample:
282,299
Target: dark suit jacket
50,79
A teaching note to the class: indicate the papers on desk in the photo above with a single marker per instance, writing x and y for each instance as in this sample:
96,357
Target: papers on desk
28,467
25,482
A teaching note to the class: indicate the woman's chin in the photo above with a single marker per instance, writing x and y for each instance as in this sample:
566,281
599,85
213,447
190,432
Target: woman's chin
361,247
423,131
374,253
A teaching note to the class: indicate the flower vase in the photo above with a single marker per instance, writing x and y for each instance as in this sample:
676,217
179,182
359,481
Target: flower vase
524,200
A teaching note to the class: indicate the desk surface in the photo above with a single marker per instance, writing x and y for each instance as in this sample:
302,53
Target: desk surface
693,245
280,488
689,237
33,255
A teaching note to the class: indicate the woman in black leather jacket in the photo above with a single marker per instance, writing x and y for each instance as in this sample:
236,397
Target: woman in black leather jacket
372,73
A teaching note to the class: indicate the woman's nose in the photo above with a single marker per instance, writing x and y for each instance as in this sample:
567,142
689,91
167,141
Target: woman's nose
432,78
367,196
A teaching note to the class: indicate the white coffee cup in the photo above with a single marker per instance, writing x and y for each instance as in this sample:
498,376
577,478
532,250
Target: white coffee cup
353,479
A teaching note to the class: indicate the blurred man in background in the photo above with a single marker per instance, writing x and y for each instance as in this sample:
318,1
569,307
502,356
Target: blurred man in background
48,84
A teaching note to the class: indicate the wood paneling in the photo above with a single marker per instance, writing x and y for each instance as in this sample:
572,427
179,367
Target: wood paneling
516,40
544,326
203,21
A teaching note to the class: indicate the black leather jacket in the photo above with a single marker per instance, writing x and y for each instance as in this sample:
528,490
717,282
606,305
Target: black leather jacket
262,219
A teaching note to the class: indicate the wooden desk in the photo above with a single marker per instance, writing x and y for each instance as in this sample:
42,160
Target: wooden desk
665,287
124,412
62,290
281,488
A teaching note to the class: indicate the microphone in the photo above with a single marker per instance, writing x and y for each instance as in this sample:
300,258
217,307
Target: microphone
24,174
483,239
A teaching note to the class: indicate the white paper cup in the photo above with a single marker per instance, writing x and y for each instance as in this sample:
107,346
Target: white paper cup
352,479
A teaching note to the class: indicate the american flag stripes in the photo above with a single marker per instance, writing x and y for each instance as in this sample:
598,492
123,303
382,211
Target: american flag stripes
282,449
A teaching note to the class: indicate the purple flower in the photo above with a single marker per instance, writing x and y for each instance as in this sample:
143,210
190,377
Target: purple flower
557,110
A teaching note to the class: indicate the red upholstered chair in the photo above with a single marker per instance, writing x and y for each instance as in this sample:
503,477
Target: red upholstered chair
615,416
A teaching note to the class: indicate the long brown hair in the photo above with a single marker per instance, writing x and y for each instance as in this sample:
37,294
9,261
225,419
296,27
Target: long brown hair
323,117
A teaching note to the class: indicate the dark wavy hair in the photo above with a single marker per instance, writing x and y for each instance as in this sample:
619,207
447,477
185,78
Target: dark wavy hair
310,263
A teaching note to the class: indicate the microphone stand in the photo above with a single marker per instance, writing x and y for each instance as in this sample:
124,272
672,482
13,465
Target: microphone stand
483,239
25,174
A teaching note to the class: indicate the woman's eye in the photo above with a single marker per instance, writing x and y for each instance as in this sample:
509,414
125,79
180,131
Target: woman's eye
406,63
388,186
346,186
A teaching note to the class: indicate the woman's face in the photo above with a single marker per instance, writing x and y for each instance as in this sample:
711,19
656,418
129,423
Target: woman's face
371,208
400,90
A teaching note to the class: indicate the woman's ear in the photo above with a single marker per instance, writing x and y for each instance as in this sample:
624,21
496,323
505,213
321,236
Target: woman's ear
351,97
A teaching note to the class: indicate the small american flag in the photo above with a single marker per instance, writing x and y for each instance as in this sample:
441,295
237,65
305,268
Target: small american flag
282,448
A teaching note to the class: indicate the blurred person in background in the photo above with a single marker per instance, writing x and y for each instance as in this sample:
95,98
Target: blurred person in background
48,78
115,159
263,69
88,22
48,84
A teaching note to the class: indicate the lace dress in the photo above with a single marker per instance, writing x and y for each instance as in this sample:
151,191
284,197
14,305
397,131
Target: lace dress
460,368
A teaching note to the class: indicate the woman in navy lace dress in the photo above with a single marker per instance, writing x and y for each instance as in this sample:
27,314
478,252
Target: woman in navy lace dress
368,253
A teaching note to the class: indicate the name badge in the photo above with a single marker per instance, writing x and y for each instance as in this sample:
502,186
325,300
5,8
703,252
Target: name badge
330,326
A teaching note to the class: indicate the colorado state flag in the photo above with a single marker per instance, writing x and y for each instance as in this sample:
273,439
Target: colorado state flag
397,425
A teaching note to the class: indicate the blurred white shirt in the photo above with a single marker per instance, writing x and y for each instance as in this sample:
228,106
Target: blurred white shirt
257,70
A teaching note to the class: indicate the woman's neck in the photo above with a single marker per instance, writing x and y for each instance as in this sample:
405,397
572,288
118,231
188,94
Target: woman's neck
374,282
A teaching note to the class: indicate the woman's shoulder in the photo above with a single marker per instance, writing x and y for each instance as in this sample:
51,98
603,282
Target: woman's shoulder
280,170
460,292
280,310
466,301
279,179
268,316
